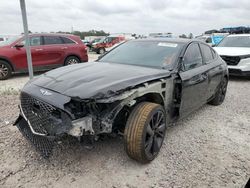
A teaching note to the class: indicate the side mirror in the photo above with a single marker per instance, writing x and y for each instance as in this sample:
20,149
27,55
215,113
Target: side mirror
213,45
19,45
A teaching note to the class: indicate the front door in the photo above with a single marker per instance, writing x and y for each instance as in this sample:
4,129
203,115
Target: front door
37,53
194,80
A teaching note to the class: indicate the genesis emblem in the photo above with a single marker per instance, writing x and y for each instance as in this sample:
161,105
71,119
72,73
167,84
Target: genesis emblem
45,92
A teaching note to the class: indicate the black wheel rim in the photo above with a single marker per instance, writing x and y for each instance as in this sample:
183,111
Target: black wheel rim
155,133
3,70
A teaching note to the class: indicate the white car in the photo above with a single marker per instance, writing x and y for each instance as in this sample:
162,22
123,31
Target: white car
235,51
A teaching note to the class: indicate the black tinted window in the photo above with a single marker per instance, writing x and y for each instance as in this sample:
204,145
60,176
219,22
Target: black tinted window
52,40
67,40
206,52
192,58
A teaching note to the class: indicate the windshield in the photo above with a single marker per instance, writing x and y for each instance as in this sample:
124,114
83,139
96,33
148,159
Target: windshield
235,41
96,40
144,53
9,41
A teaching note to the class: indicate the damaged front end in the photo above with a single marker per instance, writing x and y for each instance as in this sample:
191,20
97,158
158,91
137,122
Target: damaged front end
46,115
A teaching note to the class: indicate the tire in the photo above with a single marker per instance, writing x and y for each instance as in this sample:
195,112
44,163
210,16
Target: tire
220,94
5,70
143,136
71,60
101,51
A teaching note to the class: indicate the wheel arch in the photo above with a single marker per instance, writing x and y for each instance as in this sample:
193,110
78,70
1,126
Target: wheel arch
151,97
148,97
9,62
71,55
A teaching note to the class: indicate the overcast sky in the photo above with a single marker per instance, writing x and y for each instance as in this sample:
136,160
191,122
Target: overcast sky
131,16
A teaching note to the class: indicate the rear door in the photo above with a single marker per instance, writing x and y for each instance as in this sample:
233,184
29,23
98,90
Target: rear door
214,67
194,80
55,50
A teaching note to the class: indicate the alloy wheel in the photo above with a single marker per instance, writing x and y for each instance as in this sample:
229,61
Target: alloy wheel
72,61
3,70
155,134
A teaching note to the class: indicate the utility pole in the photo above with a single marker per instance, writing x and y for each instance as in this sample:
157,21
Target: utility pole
26,36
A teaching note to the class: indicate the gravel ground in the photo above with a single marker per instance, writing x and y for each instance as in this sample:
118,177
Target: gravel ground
17,81
211,148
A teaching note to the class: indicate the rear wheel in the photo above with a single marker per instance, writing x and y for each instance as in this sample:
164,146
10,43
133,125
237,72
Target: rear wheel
101,51
5,70
71,60
220,94
145,131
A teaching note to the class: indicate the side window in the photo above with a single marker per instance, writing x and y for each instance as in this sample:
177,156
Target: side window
67,40
52,40
206,52
192,57
35,41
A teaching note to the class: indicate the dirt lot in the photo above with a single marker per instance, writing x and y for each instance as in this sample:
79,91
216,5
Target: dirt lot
211,148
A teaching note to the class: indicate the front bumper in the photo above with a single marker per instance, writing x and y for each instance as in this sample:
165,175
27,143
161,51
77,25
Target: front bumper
238,72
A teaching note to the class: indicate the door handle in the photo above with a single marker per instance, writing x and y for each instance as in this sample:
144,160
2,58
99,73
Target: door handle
204,76
64,48
39,49
199,78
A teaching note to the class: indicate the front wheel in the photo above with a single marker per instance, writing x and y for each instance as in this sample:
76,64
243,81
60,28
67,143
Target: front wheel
5,70
145,131
71,60
220,94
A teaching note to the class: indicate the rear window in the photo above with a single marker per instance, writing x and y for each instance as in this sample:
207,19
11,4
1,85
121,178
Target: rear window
67,40
52,40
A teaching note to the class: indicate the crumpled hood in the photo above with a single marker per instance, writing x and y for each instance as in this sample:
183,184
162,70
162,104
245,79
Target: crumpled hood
96,79
232,51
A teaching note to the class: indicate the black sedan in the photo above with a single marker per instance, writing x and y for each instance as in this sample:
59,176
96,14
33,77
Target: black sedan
136,90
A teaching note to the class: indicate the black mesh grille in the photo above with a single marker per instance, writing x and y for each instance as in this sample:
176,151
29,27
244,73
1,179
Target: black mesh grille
38,113
41,143
231,60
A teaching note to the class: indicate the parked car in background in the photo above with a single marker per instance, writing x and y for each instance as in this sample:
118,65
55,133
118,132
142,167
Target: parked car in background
235,50
106,44
93,42
48,51
135,90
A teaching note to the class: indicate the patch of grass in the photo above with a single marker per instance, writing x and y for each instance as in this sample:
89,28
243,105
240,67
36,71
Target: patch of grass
9,91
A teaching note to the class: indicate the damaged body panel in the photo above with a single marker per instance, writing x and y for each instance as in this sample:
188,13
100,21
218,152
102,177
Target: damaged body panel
91,99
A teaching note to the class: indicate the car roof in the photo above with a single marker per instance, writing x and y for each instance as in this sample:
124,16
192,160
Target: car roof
239,35
52,34
172,40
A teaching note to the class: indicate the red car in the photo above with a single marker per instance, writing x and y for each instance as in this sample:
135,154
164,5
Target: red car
48,51
106,44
